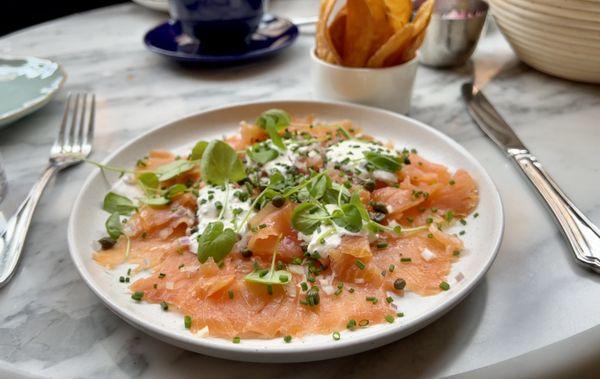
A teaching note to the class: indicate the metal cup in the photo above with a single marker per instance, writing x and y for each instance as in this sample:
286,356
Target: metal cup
453,32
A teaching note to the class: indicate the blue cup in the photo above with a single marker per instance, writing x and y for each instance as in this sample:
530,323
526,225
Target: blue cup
218,24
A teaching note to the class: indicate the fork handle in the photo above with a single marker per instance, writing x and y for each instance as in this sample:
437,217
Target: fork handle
582,235
13,239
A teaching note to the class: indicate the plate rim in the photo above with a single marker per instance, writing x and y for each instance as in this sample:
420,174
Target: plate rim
241,352
16,114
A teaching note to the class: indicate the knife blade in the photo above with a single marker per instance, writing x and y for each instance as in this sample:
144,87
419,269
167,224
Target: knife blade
583,236
490,122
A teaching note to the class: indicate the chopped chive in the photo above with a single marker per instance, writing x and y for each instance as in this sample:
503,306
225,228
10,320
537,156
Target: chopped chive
351,290
155,285
336,336
187,321
269,289
122,279
399,284
359,264
371,299
400,314
161,275
462,233
338,292
456,253
236,339
283,278
287,339
389,319
304,286
389,299
444,286
382,245
476,215
128,272
452,182
164,306
127,280
363,322
391,268
351,324
230,294
137,295
405,259
430,235
463,221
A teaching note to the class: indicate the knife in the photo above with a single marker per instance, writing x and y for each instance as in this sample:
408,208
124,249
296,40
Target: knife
582,235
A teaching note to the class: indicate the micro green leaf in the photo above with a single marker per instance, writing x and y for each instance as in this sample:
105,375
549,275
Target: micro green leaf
349,218
198,150
318,187
174,190
215,241
114,203
273,121
155,201
220,164
149,180
173,169
114,227
307,217
383,161
262,155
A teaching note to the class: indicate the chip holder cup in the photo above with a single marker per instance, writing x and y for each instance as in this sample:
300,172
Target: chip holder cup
387,87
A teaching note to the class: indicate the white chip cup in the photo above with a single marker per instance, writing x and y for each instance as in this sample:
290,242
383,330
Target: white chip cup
387,87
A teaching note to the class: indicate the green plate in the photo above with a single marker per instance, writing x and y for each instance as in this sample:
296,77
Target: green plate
26,85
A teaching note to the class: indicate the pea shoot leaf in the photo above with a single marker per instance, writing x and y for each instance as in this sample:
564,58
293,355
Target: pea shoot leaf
273,121
307,217
198,150
216,242
173,169
174,190
220,164
262,155
114,227
156,201
149,181
319,187
349,218
266,276
114,203
383,161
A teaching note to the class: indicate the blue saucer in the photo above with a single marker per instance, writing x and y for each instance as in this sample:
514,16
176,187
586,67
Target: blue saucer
273,35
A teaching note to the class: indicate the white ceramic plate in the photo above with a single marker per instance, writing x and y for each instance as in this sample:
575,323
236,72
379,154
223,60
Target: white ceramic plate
26,85
482,239
157,5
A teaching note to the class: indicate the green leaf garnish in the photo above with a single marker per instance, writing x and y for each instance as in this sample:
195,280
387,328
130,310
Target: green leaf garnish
220,164
262,155
198,150
114,227
173,169
273,121
149,181
271,276
383,161
119,204
349,218
307,217
155,201
215,241
318,187
174,190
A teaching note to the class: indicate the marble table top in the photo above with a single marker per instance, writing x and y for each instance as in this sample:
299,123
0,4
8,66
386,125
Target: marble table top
52,325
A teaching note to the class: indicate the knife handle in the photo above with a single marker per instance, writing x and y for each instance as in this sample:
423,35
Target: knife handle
582,235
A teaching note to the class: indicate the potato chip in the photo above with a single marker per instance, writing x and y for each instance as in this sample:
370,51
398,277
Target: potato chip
399,12
423,16
325,49
337,31
382,27
359,33
393,47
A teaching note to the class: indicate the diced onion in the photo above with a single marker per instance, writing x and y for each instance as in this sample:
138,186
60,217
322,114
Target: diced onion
428,254
203,332
296,269
169,285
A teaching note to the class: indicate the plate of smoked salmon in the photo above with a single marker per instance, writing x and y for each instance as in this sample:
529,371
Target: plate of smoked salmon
287,230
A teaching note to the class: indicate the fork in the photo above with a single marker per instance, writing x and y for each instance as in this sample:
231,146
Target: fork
72,145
